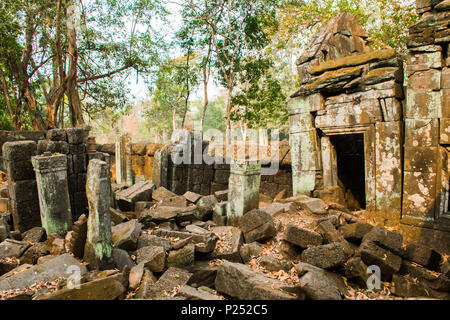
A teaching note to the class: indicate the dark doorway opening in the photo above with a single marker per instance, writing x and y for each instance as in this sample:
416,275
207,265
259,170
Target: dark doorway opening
350,164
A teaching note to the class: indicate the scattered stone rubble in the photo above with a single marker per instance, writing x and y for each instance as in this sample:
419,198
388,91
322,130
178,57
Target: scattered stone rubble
173,252
167,239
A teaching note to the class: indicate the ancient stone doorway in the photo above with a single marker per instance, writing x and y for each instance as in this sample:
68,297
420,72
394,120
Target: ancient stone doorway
351,166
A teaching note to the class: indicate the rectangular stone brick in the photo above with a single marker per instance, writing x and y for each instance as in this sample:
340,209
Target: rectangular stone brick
423,104
26,215
421,159
419,198
301,122
79,163
445,103
20,170
425,80
444,131
23,191
421,133
424,61
388,165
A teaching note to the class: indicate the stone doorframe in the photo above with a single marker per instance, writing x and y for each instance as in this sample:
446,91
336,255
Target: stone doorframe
329,161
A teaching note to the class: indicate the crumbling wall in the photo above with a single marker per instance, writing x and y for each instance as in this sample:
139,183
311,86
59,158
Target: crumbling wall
142,158
347,88
427,126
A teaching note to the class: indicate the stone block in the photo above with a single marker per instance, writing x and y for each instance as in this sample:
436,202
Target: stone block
19,150
421,159
390,240
419,199
257,225
421,132
79,163
26,215
75,135
388,262
355,231
301,237
429,80
423,104
153,258
423,255
20,170
388,165
444,131
23,191
57,135
326,256
424,61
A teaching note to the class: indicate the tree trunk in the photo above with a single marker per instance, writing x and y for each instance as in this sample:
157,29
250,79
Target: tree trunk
72,85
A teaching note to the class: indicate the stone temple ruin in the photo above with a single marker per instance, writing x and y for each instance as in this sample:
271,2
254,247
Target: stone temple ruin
362,185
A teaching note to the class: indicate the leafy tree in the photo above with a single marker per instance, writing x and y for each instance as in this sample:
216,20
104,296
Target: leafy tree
175,80
58,53
236,29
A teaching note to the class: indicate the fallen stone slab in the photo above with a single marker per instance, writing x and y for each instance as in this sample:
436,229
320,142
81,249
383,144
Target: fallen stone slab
431,279
33,253
257,225
192,197
108,288
146,240
301,237
162,214
388,262
319,284
135,277
191,293
125,235
314,205
250,251
153,257
355,231
203,243
12,248
122,259
49,271
220,214
176,201
205,207
329,232
167,284
326,256
146,282
230,241
405,286
162,193
356,270
276,208
423,255
196,229
203,274
389,240
141,191
36,234
116,216
238,281
272,263
181,257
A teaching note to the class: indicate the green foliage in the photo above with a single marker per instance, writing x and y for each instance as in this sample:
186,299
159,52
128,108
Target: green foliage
214,116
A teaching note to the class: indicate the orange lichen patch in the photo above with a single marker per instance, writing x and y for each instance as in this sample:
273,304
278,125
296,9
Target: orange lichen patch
355,60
